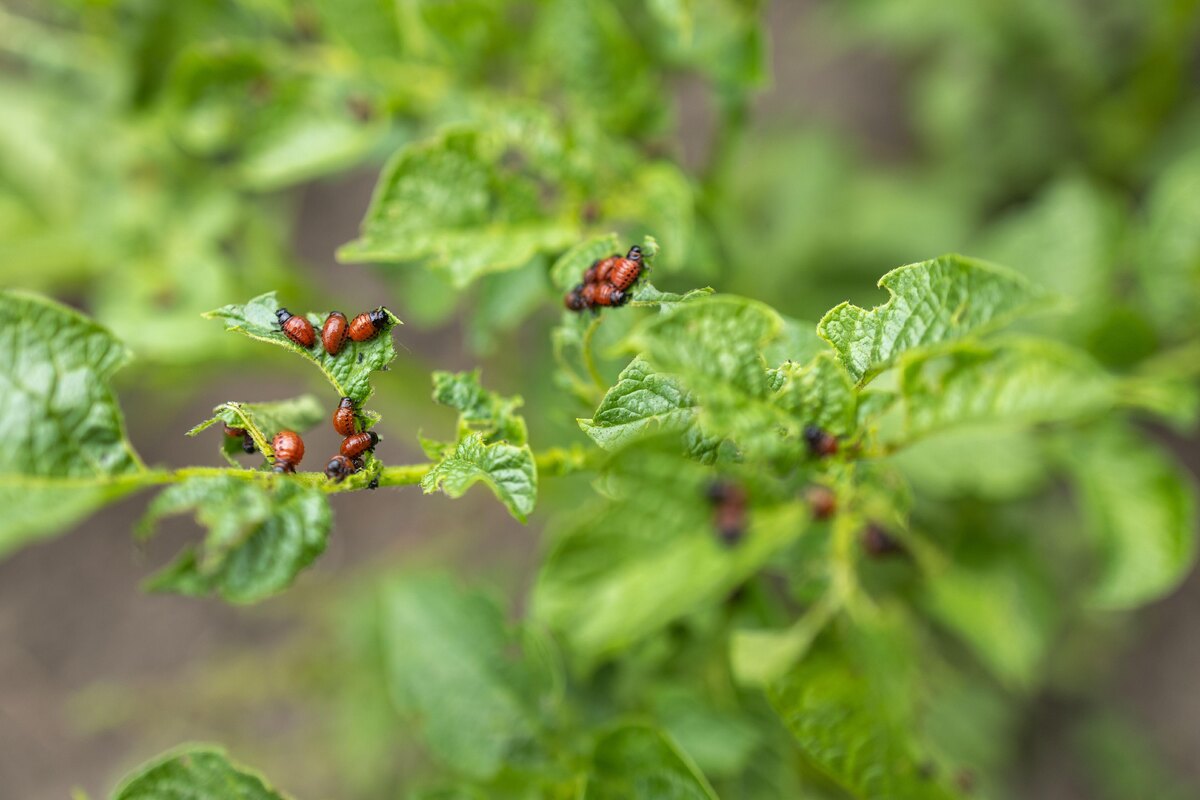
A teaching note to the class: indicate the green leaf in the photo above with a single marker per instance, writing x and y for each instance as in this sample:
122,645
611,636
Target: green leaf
480,410
260,535
819,393
931,302
63,451
1021,381
639,762
262,421
447,655
712,347
829,707
349,371
447,203
509,471
195,772
1002,607
1141,509
642,402
627,567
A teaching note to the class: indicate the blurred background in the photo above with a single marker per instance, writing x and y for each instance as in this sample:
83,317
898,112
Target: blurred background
158,160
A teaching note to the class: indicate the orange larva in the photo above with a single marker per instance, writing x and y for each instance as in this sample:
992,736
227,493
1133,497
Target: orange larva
339,467
626,270
598,271
247,441
367,324
298,329
334,332
343,417
574,300
289,450
603,294
729,510
820,443
821,501
878,543
356,444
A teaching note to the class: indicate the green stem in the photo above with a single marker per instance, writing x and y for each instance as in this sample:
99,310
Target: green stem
589,360
556,461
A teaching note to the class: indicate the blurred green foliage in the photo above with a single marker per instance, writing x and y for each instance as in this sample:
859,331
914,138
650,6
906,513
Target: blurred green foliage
147,167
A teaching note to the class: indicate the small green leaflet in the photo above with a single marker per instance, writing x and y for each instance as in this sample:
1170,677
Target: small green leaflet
819,393
480,410
642,402
447,655
349,371
1141,511
491,446
931,302
448,202
195,772
509,471
262,421
639,762
260,535
63,450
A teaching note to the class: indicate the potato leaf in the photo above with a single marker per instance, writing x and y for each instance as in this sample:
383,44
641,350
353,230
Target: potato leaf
195,771
349,371
63,450
1141,511
625,568
448,663
509,471
931,302
450,203
260,536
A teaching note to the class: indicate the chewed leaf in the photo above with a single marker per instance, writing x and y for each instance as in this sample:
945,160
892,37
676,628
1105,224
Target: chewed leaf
820,393
349,371
63,451
627,567
262,421
509,471
195,771
451,203
260,536
931,302
480,410
647,295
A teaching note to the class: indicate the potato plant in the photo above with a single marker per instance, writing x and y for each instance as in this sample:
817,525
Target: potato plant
821,554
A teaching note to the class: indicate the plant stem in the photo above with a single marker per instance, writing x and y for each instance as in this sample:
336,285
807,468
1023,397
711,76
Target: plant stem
589,360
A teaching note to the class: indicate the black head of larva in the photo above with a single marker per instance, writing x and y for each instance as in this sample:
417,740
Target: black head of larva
634,254
379,317
283,315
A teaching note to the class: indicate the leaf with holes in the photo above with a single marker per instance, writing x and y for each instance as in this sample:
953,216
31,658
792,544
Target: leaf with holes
349,372
261,534
931,302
